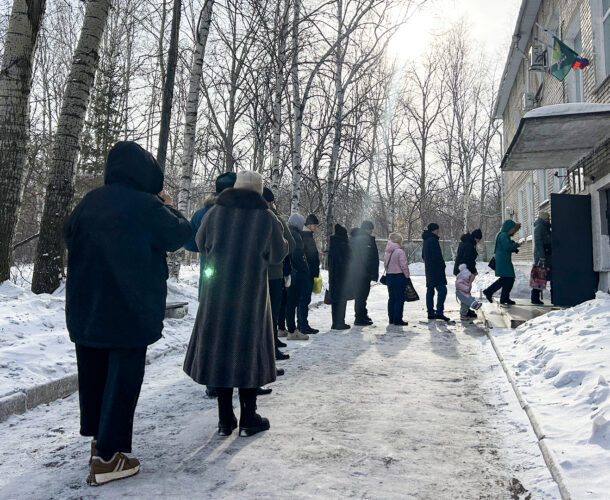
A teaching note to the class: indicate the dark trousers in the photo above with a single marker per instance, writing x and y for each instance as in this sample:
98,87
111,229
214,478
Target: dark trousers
304,301
109,382
247,403
281,319
338,308
506,284
441,291
397,284
297,290
275,297
361,294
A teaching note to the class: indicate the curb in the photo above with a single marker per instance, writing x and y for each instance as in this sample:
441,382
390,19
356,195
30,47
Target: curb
27,399
547,454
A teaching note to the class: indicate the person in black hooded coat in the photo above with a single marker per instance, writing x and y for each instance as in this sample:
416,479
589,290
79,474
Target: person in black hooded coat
467,252
435,272
338,261
117,238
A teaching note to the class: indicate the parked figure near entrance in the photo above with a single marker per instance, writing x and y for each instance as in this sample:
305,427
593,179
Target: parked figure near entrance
338,261
363,268
467,254
116,288
232,344
276,276
504,247
223,181
542,250
313,263
298,279
435,272
397,273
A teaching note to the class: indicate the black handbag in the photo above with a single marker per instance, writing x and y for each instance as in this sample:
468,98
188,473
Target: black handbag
384,280
492,263
410,292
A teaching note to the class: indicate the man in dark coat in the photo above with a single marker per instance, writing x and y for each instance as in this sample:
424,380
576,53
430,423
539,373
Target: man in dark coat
543,250
299,279
276,276
116,238
467,252
338,260
363,268
232,342
435,272
313,263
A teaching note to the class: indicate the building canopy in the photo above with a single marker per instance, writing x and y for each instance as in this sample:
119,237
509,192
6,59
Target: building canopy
557,136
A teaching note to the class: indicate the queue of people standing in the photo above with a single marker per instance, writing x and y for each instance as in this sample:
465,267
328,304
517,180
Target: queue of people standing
255,286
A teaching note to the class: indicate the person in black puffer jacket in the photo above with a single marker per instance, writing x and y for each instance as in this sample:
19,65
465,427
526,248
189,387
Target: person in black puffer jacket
117,238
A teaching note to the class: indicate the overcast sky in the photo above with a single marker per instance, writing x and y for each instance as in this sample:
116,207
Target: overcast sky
491,23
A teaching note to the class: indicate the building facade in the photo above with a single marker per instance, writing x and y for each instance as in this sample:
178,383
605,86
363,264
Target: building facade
583,25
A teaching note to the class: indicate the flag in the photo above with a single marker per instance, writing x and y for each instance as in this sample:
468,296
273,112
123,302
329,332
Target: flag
580,63
562,59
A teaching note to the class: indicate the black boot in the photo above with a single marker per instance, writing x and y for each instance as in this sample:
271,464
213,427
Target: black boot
250,422
226,418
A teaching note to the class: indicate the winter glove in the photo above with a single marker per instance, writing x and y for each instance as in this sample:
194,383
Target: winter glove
287,281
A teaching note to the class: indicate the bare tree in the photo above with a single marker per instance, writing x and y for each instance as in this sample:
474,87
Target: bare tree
15,85
48,267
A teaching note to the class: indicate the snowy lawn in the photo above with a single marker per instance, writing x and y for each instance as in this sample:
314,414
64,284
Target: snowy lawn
561,364
421,412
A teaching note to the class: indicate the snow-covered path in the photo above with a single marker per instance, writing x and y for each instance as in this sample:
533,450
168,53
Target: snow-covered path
420,412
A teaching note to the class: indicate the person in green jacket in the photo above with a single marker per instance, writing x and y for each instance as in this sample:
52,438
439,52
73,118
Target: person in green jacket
504,248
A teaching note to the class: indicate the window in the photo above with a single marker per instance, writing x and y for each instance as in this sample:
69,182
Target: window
560,179
600,21
529,192
574,80
543,187
520,212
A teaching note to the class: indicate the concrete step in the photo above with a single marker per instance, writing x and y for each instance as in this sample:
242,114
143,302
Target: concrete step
176,310
492,317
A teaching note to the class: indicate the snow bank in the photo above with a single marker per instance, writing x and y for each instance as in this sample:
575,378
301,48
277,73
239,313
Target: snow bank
560,362
34,344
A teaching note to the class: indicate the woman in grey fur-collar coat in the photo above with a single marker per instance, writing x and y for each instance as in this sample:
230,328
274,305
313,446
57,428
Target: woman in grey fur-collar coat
232,341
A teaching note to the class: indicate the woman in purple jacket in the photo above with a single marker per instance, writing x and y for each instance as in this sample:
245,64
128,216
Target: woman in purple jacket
397,272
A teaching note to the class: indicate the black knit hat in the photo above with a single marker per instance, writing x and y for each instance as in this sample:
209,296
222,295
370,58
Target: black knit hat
225,181
311,219
478,234
367,225
268,195
433,226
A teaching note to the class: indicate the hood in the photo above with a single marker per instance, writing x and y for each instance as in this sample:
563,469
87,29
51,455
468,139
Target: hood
428,234
468,238
507,225
297,221
542,222
391,246
462,267
130,164
340,232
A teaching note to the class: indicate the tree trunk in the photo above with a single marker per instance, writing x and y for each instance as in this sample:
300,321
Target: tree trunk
334,155
15,86
190,122
48,266
297,110
168,85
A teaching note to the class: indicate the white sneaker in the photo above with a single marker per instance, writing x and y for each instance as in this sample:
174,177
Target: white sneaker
296,335
282,333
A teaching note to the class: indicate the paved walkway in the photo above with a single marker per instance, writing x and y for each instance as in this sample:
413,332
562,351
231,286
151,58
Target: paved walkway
420,412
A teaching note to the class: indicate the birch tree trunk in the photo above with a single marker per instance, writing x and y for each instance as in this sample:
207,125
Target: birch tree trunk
297,111
15,86
277,97
49,265
168,85
338,122
190,123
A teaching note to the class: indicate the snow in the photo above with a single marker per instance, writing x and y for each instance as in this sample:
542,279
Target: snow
560,363
573,108
423,411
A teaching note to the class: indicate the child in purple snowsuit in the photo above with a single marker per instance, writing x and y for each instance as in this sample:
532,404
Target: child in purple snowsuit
463,285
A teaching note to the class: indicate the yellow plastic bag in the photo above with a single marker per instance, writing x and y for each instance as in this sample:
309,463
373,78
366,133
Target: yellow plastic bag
317,284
